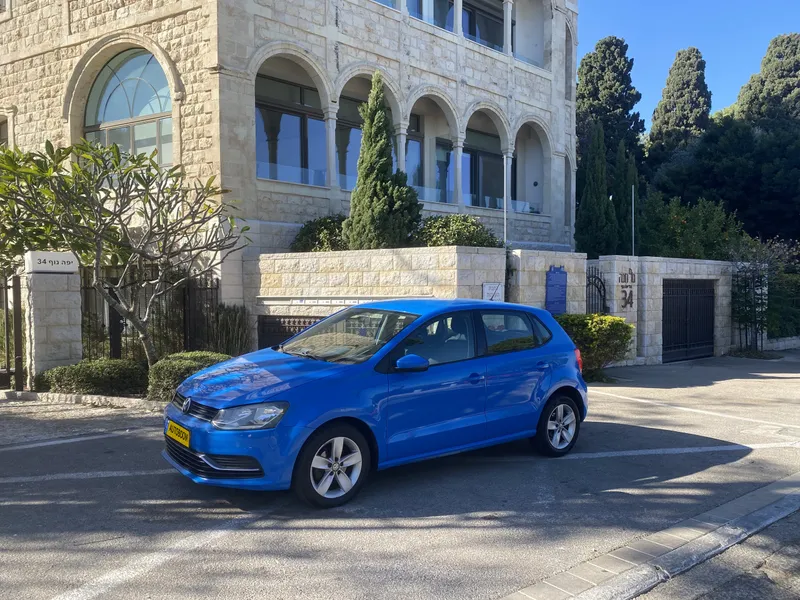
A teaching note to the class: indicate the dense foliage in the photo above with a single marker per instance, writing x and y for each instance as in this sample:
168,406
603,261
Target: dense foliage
596,223
774,92
601,339
456,230
104,377
626,183
320,235
233,330
384,209
167,374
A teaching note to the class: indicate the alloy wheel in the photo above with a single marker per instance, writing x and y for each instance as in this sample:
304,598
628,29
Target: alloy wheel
336,467
561,426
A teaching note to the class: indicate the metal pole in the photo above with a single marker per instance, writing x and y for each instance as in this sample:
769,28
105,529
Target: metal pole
4,290
17,292
633,221
505,198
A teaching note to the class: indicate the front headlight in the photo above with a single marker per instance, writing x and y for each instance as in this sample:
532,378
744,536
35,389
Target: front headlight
252,416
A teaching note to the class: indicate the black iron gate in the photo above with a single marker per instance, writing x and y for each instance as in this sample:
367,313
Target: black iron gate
688,319
11,340
275,330
595,292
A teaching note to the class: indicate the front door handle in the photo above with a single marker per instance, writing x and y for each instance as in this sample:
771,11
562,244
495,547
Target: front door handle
475,378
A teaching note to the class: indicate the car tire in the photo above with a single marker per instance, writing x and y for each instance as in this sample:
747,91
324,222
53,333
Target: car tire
559,426
325,480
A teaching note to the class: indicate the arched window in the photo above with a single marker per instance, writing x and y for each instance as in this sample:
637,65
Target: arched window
130,105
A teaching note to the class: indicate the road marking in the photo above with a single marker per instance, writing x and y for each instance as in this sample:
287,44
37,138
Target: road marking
75,440
695,410
94,475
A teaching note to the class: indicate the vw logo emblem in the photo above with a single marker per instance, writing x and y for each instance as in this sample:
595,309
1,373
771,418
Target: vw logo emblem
187,404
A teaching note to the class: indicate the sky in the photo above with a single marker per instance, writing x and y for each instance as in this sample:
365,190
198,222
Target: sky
733,36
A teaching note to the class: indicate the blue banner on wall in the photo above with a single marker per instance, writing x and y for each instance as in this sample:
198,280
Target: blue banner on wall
556,291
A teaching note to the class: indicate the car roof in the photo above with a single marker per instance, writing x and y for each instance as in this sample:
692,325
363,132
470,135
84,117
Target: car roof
433,306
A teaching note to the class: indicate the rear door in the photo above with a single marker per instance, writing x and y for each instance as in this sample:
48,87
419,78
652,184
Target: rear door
517,368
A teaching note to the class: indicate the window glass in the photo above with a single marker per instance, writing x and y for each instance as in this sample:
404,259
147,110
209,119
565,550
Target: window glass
468,176
348,111
278,144
415,124
543,335
166,141
317,152
415,8
491,181
483,141
145,138
489,31
270,90
444,172
443,14
448,339
348,147
414,162
311,99
508,332
3,133
121,136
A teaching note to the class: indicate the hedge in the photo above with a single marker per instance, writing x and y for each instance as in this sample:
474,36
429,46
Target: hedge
103,377
168,373
456,230
601,339
320,235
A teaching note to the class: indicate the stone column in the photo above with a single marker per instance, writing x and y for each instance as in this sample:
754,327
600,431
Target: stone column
622,276
458,151
457,12
53,321
330,127
508,5
401,133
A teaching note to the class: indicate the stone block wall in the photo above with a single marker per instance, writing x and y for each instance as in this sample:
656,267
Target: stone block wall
527,280
620,276
317,284
52,304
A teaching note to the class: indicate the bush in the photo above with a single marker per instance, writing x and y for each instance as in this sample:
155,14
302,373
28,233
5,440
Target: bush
168,373
103,377
456,230
234,330
320,235
601,339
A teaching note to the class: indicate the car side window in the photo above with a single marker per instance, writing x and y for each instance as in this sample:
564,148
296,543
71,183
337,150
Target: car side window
446,339
542,333
508,332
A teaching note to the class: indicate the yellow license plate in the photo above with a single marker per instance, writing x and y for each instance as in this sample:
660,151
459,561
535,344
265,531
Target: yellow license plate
178,433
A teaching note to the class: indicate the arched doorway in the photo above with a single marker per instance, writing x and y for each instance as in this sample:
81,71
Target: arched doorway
530,173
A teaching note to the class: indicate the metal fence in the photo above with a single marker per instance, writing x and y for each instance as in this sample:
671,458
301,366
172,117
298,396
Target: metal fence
182,319
595,292
11,341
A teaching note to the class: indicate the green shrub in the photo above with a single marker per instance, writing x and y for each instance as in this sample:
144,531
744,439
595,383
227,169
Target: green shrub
320,235
168,373
601,339
234,330
456,230
103,377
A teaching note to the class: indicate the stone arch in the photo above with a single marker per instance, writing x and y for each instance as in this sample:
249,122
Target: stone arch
301,56
541,127
442,99
536,160
89,66
497,116
367,69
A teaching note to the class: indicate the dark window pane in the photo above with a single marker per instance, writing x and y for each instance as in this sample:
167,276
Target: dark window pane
348,111
278,146
444,173
414,162
415,8
348,147
507,332
415,124
311,99
483,141
317,152
468,176
468,23
489,31
491,181
543,335
271,90
448,339
443,14
121,136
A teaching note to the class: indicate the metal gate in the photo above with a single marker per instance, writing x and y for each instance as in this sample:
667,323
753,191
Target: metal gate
595,292
688,319
276,330
11,340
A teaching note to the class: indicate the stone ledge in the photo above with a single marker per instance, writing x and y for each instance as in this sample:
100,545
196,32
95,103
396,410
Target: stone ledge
86,400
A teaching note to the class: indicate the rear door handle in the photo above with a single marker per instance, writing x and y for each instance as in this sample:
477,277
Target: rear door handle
475,378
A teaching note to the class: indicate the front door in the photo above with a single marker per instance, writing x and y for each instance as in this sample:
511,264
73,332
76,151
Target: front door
442,408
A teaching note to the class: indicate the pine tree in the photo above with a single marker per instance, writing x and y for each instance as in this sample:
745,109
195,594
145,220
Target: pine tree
774,93
683,113
596,225
626,179
606,94
384,210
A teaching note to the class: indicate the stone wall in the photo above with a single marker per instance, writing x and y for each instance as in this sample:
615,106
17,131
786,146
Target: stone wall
620,276
317,284
527,281
778,344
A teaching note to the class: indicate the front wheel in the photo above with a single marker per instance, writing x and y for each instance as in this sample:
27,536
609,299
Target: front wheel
332,466
558,428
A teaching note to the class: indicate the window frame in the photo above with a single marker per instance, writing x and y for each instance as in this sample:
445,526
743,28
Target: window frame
474,175
394,354
529,318
5,141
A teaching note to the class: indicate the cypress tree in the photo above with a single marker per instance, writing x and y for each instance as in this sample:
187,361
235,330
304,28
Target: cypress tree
384,210
596,224
626,177
606,94
774,92
683,113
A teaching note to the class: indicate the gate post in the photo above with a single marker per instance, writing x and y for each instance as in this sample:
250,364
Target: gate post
621,275
52,311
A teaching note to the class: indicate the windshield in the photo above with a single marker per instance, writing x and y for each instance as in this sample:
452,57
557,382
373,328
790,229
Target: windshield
352,336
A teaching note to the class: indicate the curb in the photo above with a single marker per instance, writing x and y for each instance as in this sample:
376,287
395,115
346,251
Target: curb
85,400
647,562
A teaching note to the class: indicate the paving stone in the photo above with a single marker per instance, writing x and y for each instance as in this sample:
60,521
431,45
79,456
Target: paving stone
683,532
569,583
666,540
591,573
542,591
611,563
649,547
630,555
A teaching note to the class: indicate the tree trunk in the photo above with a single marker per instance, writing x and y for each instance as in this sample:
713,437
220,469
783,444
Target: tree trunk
140,326
149,347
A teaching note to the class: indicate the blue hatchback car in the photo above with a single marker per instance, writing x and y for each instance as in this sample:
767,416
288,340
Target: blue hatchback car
375,386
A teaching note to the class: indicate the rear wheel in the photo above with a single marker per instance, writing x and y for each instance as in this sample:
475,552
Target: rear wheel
559,427
332,466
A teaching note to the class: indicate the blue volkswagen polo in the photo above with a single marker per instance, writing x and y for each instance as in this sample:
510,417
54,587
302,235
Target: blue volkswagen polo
375,386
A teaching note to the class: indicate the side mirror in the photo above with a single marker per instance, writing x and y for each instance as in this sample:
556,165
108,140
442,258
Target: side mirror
412,364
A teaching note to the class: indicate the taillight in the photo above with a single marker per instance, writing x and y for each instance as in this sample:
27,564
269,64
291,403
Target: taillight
579,359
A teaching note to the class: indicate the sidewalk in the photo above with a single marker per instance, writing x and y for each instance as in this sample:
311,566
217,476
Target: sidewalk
765,566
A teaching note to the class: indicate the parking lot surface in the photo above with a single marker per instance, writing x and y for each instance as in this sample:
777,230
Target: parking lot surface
88,509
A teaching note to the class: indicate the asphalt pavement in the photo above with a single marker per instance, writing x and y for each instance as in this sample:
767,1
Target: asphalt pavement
88,509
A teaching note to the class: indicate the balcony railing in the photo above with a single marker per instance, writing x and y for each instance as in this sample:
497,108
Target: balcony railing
428,194
528,60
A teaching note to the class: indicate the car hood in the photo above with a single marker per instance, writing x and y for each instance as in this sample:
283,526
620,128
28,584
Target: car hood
254,378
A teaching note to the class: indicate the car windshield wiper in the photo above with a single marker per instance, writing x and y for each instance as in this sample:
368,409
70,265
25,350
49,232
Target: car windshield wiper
301,353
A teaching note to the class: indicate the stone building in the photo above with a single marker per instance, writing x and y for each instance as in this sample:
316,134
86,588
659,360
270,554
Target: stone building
264,94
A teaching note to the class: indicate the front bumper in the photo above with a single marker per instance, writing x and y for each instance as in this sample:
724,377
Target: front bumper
211,451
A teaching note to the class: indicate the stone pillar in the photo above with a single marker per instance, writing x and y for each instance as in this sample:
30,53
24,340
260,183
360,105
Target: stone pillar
53,321
621,276
458,10
330,127
458,151
401,133
508,5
